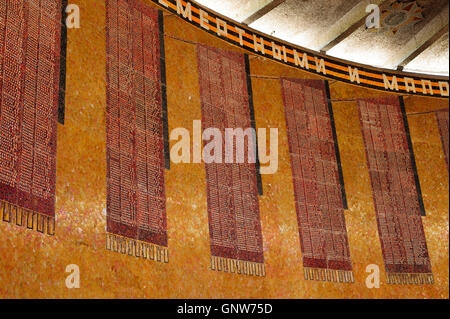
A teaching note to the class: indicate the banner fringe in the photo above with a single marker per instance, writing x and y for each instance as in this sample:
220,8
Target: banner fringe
410,278
331,275
240,267
30,219
137,248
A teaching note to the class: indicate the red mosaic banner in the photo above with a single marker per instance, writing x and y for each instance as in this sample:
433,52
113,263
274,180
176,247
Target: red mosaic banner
443,119
30,47
318,186
136,201
232,193
395,192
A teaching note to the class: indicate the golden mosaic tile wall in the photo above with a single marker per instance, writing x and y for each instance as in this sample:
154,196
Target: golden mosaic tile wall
33,265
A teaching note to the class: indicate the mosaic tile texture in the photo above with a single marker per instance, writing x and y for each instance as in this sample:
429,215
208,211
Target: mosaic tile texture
397,201
33,265
30,36
136,203
319,191
233,207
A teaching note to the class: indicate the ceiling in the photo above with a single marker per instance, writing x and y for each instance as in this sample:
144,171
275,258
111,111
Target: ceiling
413,35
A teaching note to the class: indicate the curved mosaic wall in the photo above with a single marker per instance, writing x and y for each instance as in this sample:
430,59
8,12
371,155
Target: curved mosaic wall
338,213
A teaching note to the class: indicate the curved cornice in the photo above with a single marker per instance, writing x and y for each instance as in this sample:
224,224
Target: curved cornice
303,59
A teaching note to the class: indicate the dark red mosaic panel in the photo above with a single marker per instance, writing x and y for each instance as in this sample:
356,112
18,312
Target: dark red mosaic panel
233,207
136,203
317,185
30,38
395,193
443,119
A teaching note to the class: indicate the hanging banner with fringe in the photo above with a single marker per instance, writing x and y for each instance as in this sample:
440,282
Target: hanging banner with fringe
300,58
32,51
136,201
318,183
232,191
396,190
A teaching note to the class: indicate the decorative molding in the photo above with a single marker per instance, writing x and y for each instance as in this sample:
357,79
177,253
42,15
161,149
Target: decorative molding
304,59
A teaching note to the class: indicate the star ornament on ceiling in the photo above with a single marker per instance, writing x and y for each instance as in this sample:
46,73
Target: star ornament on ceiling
399,15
